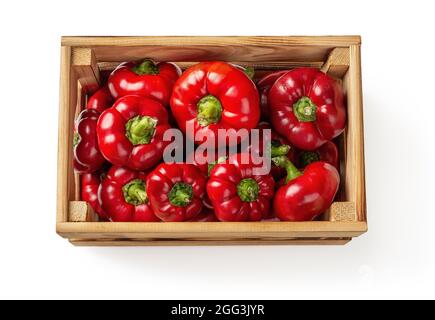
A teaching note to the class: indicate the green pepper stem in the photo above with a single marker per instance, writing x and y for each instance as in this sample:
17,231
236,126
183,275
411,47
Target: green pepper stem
308,157
279,150
305,110
248,190
147,67
250,72
76,139
284,162
140,130
134,192
181,194
209,110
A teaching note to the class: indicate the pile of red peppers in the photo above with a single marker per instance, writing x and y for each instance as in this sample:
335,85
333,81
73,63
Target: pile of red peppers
119,143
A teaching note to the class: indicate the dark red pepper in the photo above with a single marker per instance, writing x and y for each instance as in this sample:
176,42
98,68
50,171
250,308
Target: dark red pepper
211,96
90,182
87,155
131,132
328,152
124,198
264,85
146,79
307,108
239,195
305,195
101,100
176,191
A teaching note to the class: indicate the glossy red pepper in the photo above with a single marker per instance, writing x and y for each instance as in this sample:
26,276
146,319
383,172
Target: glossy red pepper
205,168
146,79
131,132
305,195
239,195
87,155
90,183
176,191
214,95
101,100
328,152
264,85
124,198
307,108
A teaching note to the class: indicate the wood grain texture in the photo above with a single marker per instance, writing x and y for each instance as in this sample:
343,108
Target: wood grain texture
84,63
354,162
211,230
244,49
182,41
337,63
177,243
64,136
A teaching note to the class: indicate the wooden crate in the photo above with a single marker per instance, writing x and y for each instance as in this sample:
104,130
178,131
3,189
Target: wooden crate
84,58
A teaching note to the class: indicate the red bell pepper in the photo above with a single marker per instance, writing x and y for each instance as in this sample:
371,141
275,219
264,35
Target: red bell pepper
212,96
124,198
205,168
146,79
101,100
90,183
307,108
239,195
87,155
328,152
305,195
176,191
264,85
131,132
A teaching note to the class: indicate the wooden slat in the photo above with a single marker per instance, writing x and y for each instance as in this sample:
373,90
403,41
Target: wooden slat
333,41
138,243
84,64
248,49
355,164
65,135
337,63
215,230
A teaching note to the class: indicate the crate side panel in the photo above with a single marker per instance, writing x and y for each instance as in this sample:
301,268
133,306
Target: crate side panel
355,164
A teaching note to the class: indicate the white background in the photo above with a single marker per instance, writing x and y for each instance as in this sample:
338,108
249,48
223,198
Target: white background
396,259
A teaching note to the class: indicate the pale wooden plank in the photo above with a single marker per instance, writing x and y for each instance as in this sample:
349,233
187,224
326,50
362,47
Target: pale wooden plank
84,63
334,41
355,164
217,230
249,49
337,63
64,136
310,242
